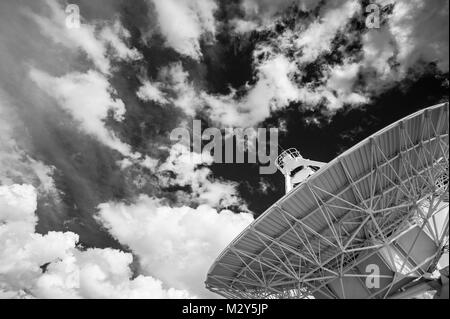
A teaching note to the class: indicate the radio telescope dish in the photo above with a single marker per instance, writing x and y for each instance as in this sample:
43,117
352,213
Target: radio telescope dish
372,223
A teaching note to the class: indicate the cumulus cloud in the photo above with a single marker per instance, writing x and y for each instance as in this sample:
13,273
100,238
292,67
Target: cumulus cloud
183,23
22,251
174,244
52,266
99,273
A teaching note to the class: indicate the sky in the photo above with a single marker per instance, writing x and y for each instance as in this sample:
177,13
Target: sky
97,201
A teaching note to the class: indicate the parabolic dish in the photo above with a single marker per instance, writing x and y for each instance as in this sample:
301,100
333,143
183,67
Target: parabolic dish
384,202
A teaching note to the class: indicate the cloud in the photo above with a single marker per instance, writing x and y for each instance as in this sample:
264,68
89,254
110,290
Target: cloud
243,26
276,88
275,74
174,244
415,30
183,23
93,40
273,89
317,38
378,48
420,29
260,13
52,266
151,92
88,98
275,85
16,165
190,169
338,88
114,36
411,33
185,96
99,273
22,251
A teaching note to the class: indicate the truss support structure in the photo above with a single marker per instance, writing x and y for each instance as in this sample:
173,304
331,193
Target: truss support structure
373,223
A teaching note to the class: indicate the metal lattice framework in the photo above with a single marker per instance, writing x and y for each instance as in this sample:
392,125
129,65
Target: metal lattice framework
376,203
